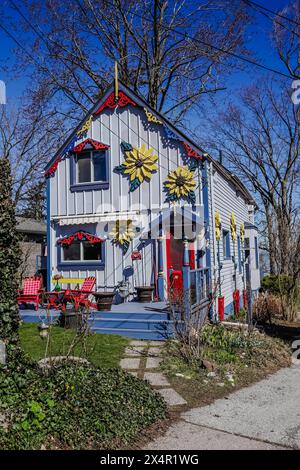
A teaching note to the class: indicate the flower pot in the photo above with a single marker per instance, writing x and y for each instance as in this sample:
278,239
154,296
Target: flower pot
104,300
144,293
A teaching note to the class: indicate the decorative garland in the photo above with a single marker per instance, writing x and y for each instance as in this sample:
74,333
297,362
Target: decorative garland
191,152
170,134
112,103
51,171
218,226
84,236
151,118
139,164
242,232
85,127
93,143
232,226
122,234
180,184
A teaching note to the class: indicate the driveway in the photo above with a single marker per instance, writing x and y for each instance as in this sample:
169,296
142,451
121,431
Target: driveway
265,415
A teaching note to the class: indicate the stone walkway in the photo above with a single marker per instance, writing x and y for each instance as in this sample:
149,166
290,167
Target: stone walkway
142,359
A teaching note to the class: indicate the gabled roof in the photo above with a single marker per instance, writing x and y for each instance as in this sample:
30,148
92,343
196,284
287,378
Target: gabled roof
191,147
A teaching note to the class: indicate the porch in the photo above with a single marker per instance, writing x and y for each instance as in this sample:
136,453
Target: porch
149,321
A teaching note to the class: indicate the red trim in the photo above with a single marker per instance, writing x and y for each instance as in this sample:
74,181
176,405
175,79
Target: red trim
80,236
221,308
168,257
191,152
111,103
51,171
192,255
96,145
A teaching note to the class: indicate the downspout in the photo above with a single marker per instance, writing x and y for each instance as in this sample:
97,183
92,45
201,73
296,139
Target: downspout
214,257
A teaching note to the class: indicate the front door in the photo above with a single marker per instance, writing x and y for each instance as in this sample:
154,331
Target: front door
175,248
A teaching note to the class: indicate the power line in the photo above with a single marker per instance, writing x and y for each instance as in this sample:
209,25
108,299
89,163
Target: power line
219,49
272,12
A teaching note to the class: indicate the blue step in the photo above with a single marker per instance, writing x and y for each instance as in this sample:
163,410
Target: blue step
155,316
126,321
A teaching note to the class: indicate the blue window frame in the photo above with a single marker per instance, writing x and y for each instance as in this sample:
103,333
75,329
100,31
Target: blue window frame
226,244
239,254
89,170
81,254
256,253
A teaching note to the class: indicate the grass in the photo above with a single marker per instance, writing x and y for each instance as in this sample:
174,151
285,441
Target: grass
101,350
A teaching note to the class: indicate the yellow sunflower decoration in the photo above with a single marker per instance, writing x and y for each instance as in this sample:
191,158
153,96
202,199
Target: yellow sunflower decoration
180,184
139,164
122,233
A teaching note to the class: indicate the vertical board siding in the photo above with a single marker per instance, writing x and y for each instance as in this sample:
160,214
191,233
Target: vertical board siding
226,200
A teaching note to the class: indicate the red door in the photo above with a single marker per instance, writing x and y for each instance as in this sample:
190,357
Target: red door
175,248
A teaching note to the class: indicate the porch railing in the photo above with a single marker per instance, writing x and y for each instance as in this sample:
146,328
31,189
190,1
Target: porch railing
199,286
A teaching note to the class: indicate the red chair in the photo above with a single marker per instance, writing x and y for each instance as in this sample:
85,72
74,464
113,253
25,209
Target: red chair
81,296
31,292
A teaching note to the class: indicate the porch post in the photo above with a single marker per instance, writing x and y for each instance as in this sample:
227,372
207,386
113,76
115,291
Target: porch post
160,277
186,276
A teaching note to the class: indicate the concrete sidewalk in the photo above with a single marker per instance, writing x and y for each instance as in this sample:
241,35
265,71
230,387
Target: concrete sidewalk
265,415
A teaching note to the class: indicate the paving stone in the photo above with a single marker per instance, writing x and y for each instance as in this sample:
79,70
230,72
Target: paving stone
156,379
154,351
134,351
171,397
152,362
138,343
130,363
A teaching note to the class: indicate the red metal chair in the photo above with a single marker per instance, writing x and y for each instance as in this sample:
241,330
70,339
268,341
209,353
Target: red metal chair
31,292
81,296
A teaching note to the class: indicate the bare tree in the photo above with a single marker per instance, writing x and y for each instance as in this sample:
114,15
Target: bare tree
286,37
26,140
75,42
261,139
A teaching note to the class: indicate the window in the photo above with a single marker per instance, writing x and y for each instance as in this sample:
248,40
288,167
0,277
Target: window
226,244
91,167
81,251
239,254
256,253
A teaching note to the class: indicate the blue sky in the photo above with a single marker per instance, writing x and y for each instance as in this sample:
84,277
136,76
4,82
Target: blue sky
257,39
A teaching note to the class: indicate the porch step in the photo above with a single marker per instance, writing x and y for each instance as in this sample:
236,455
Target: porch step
132,333
154,316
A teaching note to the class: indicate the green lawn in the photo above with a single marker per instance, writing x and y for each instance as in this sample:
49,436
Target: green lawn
102,350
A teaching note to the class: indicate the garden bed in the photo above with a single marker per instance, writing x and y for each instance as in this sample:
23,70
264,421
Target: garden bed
229,360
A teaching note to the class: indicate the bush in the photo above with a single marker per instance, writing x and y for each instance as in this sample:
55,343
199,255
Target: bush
74,408
267,307
280,284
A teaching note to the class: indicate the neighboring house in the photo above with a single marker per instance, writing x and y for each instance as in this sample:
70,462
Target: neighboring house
128,192
33,245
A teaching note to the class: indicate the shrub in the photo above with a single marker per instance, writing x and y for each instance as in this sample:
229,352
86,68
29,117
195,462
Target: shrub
267,307
75,407
278,284
287,290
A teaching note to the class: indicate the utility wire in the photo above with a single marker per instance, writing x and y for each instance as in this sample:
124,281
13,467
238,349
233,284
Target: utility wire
250,2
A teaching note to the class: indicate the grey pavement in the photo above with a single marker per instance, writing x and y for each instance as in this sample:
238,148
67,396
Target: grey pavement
258,417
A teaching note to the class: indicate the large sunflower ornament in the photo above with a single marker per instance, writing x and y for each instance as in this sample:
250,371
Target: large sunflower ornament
139,164
122,234
180,184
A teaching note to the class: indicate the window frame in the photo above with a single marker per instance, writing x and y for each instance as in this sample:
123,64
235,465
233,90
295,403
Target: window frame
226,245
75,185
81,263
